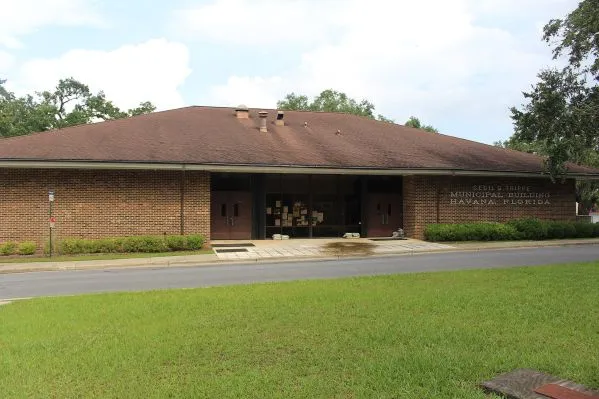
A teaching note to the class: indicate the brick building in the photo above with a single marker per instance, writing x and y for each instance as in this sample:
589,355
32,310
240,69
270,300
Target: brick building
240,174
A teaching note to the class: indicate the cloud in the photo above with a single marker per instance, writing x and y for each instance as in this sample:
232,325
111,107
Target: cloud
255,91
434,59
6,61
152,71
554,8
21,17
259,22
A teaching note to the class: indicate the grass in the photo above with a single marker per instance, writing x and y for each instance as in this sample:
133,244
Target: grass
429,335
69,258
552,241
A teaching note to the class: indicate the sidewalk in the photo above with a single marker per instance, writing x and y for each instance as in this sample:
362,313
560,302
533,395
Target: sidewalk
289,251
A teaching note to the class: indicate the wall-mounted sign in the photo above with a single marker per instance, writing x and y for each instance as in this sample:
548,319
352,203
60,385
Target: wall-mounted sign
499,195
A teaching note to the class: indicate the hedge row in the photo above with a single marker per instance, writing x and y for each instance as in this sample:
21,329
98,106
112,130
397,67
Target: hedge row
524,229
15,248
148,244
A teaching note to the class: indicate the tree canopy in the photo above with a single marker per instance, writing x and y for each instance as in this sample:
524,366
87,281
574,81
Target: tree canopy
330,101
3,91
578,36
560,118
70,103
415,123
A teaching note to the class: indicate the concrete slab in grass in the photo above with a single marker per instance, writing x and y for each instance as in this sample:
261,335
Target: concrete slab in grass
522,384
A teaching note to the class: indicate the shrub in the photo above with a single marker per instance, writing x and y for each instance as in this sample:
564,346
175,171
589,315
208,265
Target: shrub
27,248
583,230
144,244
195,242
150,244
531,229
75,246
470,232
524,229
8,248
556,229
177,243
569,230
105,246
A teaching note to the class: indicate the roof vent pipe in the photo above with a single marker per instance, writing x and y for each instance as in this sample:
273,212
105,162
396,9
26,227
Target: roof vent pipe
279,121
263,115
242,112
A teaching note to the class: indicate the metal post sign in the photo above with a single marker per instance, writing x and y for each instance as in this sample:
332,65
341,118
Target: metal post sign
52,219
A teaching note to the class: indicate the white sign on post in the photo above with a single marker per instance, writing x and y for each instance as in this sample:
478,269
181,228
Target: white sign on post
51,196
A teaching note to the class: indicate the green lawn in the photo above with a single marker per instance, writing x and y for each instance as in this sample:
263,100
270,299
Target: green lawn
430,335
69,258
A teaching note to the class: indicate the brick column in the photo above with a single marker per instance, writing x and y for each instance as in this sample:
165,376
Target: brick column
420,204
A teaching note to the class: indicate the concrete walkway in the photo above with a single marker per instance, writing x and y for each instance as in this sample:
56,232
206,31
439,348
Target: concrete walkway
268,249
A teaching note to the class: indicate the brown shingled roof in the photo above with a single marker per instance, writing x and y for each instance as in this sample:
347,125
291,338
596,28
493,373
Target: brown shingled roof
209,135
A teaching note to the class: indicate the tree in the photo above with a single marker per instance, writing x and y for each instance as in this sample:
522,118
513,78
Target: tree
578,35
70,103
512,144
330,101
560,121
415,123
561,116
3,91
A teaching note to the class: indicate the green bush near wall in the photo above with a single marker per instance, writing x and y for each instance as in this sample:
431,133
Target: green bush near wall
27,248
146,244
8,248
522,229
471,232
17,248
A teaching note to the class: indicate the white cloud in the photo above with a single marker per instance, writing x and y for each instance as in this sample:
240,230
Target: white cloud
429,58
21,17
259,22
253,91
6,61
554,8
152,71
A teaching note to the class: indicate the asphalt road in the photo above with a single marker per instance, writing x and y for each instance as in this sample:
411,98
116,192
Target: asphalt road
136,279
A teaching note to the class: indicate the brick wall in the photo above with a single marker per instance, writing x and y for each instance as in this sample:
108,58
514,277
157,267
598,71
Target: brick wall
419,204
445,199
94,204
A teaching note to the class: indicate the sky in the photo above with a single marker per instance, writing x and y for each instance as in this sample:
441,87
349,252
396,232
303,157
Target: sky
458,65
